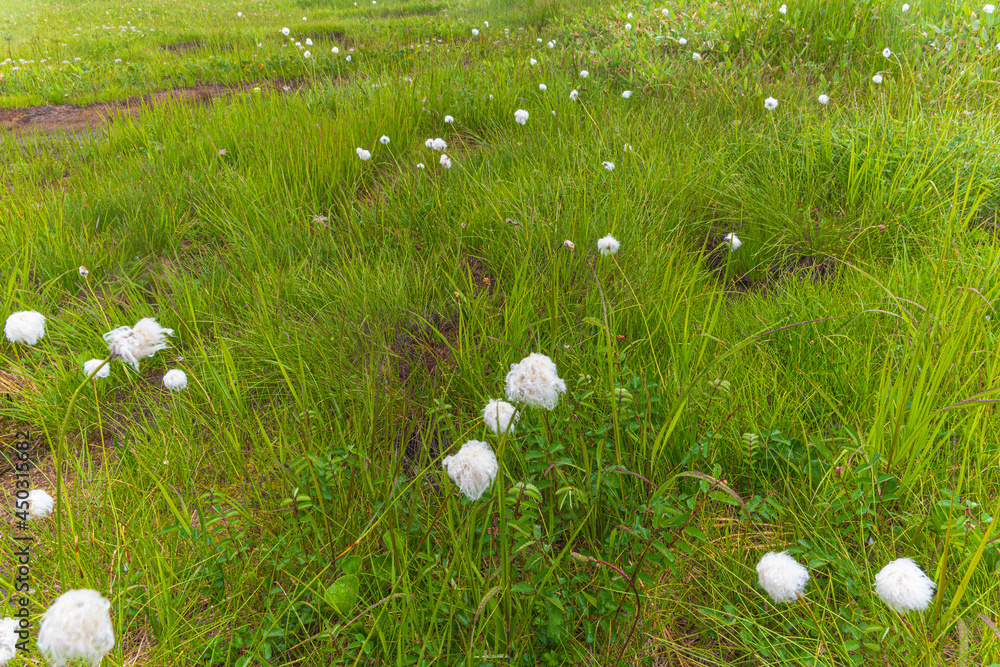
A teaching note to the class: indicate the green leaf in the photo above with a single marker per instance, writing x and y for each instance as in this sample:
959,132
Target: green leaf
558,631
351,565
342,595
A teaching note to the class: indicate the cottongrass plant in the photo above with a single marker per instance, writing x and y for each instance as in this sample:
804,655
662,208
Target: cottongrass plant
500,416
8,639
25,326
535,382
472,469
904,587
782,577
608,245
100,365
175,380
77,626
132,344
40,504
521,116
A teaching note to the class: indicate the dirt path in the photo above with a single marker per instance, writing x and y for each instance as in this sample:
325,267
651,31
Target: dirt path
76,119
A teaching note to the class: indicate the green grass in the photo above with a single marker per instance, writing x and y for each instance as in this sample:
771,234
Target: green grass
342,324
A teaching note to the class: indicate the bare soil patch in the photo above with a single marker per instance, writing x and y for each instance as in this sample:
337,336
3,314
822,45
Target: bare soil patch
74,119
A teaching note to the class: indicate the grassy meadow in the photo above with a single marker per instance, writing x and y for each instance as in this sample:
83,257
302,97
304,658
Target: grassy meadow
828,388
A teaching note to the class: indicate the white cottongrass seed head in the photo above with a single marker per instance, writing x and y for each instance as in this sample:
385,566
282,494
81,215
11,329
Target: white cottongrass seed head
500,416
535,382
472,469
733,241
610,166
877,79
584,74
770,104
438,144
695,56
384,140
130,344
449,119
76,627
906,8
285,32
91,364
781,576
824,99
25,326
445,161
904,587
365,155
628,26
475,32
83,271
521,116
533,62
626,94
682,41
175,380
573,94
40,504
420,165
783,9
335,50
306,54
8,639
542,87
309,42
989,9
887,52
569,244
608,245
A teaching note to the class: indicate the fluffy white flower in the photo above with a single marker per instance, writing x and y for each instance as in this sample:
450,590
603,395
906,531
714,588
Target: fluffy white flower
682,41
629,15
8,639
552,45
569,244
500,416
306,54
877,78
445,161
732,241
449,119
533,62
610,166
608,245
770,103
285,32
475,32
627,147
438,144
695,56
903,586
90,365
626,94
472,469
239,14
534,381
348,59
542,87
781,576
363,154
383,140
989,9
309,42
25,326
335,50
175,380
76,627
521,116
783,9
906,8
824,99
628,26
486,24
573,95
83,271
130,344
40,504
584,74
886,52
420,165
